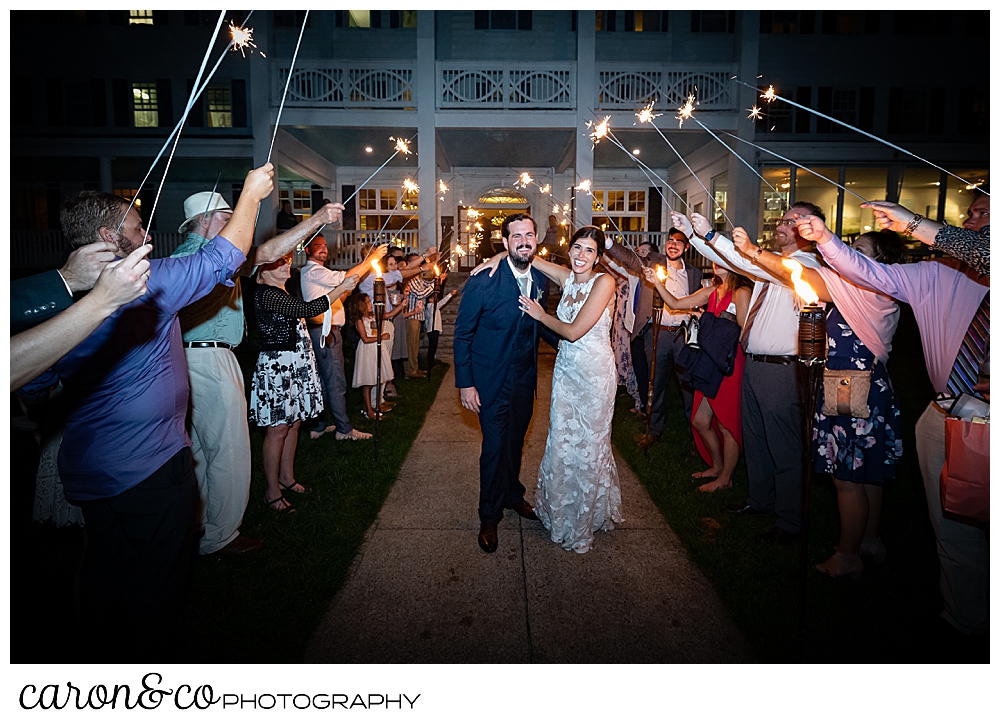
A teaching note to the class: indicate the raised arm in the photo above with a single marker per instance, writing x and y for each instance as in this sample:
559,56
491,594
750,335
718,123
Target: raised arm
276,247
600,296
364,267
555,272
774,265
676,304
721,250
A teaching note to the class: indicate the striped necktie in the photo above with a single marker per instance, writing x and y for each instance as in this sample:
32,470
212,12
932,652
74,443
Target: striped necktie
754,309
965,372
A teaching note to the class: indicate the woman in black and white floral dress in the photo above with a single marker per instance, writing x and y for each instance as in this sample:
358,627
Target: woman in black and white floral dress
286,388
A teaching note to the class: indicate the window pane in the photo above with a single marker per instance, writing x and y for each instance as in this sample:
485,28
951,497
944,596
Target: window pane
409,18
636,200
616,201
773,204
359,18
145,111
220,107
387,198
819,191
869,183
140,17
720,191
367,199
503,19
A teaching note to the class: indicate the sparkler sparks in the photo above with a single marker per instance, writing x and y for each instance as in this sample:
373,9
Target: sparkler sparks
584,186
410,187
242,38
600,129
555,208
442,187
525,179
546,189
402,146
646,115
770,94
755,113
686,110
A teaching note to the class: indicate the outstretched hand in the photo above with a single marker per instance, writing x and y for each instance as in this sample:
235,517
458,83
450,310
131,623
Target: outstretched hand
259,182
701,225
491,264
741,240
889,215
680,221
124,280
376,254
812,228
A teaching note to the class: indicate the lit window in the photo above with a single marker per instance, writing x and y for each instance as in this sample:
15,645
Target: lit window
144,105
619,210
360,18
140,17
129,194
367,199
409,18
388,198
220,107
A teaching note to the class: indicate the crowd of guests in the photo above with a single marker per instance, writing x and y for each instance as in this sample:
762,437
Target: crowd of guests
151,452
747,335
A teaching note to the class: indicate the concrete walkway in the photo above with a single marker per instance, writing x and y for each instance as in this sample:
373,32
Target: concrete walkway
421,590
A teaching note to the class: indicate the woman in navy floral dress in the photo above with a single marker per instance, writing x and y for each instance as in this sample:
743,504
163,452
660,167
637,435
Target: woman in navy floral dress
860,453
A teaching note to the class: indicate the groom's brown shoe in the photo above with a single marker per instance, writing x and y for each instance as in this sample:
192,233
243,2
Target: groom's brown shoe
488,537
524,510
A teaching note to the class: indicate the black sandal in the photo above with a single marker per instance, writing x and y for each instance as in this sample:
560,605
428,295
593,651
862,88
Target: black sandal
286,508
291,488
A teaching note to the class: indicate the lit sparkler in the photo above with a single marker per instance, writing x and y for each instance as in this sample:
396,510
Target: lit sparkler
410,187
442,187
686,110
546,189
472,213
583,186
661,273
755,113
525,179
242,38
458,250
600,129
769,95
402,145
555,208
646,115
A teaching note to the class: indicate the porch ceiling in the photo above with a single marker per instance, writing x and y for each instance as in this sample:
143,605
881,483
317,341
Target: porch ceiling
497,147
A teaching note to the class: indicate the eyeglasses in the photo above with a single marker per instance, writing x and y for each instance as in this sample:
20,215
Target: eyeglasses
785,222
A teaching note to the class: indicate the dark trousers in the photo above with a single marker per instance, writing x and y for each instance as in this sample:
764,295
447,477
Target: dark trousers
640,365
432,347
504,424
137,566
330,363
773,439
668,347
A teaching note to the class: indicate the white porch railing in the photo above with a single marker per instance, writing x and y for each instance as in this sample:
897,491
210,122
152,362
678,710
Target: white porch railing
348,248
48,248
343,84
500,85
632,86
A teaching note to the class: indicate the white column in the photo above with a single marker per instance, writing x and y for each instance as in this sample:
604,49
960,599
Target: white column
586,100
426,78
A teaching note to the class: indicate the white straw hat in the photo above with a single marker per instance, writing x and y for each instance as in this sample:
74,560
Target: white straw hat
203,202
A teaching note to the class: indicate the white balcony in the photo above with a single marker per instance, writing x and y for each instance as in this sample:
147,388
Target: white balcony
344,84
503,85
629,86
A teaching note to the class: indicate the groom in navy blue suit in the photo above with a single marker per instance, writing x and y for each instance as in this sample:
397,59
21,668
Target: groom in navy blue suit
496,370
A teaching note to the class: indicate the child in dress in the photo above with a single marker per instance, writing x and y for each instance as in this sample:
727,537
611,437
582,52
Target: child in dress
366,357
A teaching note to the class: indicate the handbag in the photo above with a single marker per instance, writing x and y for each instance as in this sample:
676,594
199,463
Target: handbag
965,478
845,392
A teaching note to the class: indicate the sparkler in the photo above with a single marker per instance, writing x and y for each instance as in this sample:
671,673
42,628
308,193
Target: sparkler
770,95
288,80
442,188
755,113
646,115
686,110
524,180
546,189
242,39
600,130
797,165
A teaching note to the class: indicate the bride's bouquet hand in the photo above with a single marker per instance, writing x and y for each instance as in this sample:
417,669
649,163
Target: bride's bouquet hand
491,264
532,308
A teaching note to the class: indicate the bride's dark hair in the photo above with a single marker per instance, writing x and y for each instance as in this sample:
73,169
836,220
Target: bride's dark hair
590,232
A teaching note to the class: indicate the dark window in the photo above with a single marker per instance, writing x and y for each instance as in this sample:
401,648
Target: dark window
239,87
844,22
653,217
921,22
375,18
121,98
166,102
645,21
776,117
574,17
866,109
292,18
503,20
605,20
196,118
20,100
803,96
908,110
839,104
349,219
713,21
54,101
79,103
974,110
787,22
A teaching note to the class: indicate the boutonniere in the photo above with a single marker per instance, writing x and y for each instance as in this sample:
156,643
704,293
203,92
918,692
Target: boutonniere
537,294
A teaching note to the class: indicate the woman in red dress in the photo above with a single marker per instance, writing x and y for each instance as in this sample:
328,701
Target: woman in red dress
717,421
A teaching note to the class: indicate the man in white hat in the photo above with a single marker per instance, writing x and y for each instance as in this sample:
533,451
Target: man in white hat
212,327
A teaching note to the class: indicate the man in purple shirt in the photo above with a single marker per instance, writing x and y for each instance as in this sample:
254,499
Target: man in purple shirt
945,301
125,457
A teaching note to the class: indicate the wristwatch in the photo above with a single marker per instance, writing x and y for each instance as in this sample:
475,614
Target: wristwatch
709,235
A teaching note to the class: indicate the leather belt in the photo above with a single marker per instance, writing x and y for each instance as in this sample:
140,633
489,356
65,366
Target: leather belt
727,315
671,327
202,345
777,359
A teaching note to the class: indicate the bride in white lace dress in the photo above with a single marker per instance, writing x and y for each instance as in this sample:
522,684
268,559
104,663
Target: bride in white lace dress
578,491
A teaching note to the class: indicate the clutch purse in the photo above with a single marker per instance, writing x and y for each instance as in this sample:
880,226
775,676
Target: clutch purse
845,392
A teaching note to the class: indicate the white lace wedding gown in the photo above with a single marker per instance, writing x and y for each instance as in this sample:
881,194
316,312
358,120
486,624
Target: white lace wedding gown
578,491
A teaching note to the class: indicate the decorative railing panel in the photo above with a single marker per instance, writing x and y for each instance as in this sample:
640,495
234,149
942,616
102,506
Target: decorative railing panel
344,84
507,86
348,248
630,87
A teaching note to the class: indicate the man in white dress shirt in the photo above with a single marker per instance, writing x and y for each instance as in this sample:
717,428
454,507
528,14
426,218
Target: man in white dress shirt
324,331
773,395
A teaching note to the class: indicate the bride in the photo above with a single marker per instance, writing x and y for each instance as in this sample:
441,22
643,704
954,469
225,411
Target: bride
578,491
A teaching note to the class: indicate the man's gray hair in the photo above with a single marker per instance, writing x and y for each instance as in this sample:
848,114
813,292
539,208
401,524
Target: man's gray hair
83,215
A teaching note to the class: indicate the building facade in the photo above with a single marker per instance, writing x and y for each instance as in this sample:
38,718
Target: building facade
498,108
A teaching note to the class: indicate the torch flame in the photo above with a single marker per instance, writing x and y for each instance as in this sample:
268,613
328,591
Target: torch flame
661,273
802,288
437,272
377,268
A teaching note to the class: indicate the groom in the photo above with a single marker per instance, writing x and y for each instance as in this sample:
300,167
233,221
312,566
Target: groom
496,370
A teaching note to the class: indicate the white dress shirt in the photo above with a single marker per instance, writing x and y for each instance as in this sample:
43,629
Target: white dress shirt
316,280
775,330
519,275
676,284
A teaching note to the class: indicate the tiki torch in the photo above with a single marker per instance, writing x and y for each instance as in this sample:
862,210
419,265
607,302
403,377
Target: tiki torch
661,274
812,343
379,305
432,340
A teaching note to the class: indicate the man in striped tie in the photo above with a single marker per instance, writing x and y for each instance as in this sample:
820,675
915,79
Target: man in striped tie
951,304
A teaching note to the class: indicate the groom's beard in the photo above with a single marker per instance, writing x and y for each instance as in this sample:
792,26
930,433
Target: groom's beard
521,257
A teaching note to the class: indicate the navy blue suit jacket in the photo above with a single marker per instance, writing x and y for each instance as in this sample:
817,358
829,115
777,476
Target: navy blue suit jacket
486,326
37,298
